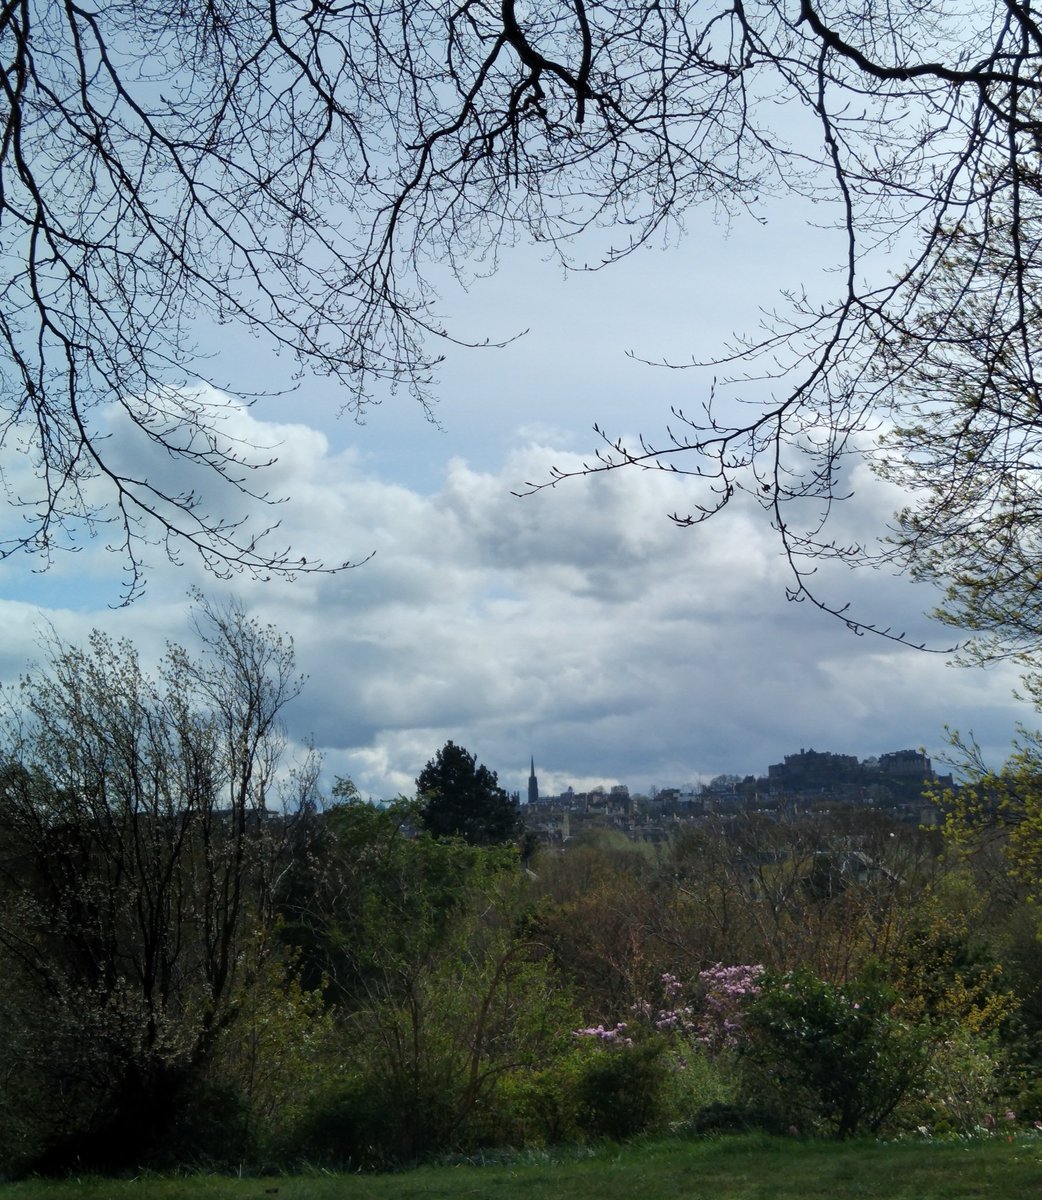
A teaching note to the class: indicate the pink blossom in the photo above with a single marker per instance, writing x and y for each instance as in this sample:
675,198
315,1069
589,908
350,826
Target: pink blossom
728,991
606,1036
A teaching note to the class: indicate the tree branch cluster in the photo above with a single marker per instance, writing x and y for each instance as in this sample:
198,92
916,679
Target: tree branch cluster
306,171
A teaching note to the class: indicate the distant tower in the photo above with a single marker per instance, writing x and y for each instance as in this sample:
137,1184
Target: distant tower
533,785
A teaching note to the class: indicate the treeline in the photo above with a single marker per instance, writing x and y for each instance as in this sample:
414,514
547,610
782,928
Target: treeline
205,962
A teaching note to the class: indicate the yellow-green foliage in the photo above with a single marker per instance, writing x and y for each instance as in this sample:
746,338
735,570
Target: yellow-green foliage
279,1048
944,973
960,1087
1001,809
535,1107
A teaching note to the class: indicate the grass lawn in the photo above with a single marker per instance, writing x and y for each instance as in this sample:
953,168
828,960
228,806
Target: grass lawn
738,1168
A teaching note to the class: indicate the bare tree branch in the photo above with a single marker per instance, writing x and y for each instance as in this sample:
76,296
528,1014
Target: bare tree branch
297,169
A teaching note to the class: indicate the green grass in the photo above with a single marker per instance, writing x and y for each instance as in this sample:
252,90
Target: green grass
738,1168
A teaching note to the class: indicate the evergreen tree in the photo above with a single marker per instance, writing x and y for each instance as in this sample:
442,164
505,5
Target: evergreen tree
460,797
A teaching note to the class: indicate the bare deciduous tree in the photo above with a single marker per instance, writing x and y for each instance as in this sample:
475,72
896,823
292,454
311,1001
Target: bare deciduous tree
138,862
297,169
929,137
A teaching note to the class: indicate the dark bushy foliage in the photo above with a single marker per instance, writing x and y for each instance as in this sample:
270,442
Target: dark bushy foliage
172,1120
211,1128
735,1118
365,1127
827,1057
622,1092
462,798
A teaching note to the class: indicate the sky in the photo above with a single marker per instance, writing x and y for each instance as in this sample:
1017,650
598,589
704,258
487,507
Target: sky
579,625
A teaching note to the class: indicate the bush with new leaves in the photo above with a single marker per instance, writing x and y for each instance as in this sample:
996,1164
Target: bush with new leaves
831,1058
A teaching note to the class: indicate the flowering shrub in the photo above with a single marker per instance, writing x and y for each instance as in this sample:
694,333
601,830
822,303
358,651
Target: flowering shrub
728,993
608,1037
669,1016
673,1061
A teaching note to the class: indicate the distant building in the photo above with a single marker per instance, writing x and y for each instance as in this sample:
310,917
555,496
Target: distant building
813,770
809,782
906,762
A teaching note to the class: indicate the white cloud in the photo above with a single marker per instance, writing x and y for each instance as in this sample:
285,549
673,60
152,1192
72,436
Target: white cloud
579,625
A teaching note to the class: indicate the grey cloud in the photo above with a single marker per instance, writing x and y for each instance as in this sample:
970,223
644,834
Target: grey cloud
579,626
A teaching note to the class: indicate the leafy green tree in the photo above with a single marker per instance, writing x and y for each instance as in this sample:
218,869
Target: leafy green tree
993,823
482,1007
994,818
376,896
461,798
279,1046
443,999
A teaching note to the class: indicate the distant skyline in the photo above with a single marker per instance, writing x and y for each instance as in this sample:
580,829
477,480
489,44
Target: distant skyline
695,784
579,625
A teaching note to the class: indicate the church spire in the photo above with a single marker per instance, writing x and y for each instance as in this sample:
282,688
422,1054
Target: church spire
533,785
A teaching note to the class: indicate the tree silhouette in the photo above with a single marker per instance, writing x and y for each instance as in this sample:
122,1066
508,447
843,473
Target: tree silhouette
462,798
297,169
139,874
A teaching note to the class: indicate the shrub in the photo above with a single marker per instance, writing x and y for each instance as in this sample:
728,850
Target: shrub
699,1081
830,1057
961,1087
533,1108
623,1090
736,1117
211,1128
356,1125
